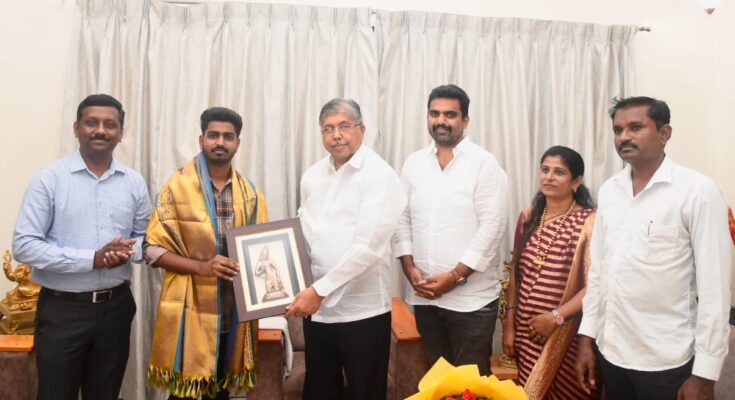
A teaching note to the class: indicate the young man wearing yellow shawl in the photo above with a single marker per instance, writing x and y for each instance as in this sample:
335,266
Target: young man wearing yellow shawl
199,348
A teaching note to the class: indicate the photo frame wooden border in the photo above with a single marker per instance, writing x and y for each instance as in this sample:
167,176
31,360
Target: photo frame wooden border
281,257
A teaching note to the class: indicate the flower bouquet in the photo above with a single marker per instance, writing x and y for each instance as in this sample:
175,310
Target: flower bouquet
447,382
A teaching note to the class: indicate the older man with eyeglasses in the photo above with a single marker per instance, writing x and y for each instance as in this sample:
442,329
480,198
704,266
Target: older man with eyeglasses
350,205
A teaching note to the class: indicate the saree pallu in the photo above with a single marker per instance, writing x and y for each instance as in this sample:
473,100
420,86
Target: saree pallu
547,371
185,347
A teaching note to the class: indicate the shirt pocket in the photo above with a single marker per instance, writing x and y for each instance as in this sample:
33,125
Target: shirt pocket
121,213
660,233
659,244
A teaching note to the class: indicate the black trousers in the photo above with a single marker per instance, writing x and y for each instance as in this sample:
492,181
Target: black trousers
357,351
460,337
630,384
84,345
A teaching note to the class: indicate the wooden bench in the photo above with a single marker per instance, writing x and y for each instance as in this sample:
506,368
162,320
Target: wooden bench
272,384
270,372
17,368
407,363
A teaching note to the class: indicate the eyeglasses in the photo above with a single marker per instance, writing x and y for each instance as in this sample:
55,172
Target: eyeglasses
329,129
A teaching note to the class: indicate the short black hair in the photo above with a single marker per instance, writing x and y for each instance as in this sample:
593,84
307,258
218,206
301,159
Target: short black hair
658,110
221,114
101,100
451,92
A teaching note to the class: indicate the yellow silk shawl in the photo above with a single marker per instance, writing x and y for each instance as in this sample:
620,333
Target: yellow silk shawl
184,351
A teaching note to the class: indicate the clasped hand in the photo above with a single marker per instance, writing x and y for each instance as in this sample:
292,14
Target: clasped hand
113,254
432,287
541,326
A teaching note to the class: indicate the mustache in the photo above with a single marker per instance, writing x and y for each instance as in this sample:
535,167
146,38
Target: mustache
627,144
218,148
100,136
441,126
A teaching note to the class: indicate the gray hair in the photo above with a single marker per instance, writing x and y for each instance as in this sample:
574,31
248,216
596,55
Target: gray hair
338,105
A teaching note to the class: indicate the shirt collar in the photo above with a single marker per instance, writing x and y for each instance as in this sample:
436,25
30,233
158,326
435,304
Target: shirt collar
78,164
227,183
663,174
355,161
460,148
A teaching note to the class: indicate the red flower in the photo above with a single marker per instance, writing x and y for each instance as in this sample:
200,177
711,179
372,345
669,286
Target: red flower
467,395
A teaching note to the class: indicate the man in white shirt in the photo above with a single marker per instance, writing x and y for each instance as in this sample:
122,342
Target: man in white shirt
350,205
449,235
658,292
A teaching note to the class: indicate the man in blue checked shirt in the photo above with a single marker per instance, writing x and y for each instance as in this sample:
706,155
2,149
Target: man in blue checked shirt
81,224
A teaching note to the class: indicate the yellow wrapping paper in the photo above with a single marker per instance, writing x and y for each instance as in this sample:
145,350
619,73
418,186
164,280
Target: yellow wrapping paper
444,379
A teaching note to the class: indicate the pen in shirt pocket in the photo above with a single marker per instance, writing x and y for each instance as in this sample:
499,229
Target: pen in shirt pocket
648,232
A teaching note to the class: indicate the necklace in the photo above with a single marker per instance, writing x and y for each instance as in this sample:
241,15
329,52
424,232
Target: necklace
541,258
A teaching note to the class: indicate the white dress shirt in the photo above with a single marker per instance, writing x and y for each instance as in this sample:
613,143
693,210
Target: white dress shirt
659,283
348,217
454,215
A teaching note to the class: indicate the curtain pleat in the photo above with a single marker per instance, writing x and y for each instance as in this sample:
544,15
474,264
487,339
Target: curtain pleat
532,84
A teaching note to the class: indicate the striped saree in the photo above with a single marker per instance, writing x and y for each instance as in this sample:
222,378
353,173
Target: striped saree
547,371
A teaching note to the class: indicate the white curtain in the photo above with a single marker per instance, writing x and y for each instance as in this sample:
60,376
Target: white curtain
532,84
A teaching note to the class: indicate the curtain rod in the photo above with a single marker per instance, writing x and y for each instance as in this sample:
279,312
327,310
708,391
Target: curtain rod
188,2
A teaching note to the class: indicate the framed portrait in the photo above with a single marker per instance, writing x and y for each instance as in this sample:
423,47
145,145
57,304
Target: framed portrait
274,267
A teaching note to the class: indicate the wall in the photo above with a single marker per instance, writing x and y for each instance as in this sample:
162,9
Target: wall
34,43
686,60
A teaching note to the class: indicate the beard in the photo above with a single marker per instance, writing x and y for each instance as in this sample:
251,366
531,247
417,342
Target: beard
444,138
216,159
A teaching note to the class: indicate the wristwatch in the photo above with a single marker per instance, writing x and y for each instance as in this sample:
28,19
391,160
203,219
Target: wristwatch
461,280
558,318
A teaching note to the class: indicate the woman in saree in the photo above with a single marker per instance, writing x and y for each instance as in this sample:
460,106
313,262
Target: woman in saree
547,279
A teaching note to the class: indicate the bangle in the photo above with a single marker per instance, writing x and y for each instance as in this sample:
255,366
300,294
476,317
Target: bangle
510,307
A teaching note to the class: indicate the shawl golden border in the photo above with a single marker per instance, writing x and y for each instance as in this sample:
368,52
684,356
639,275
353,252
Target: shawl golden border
185,347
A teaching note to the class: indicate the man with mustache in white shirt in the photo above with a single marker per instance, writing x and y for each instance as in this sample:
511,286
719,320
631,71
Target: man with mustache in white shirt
450,233
658,291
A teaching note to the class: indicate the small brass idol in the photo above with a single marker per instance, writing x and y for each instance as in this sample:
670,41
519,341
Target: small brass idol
18,308
505,360
503,298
